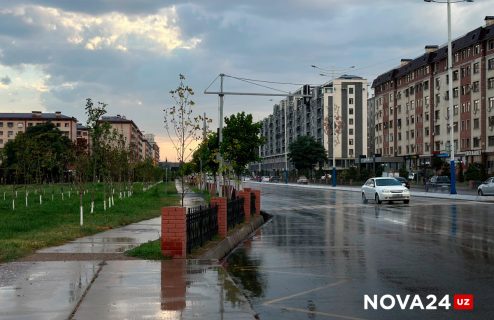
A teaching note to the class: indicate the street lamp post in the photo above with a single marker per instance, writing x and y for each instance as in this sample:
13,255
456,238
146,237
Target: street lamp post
286,142
452,165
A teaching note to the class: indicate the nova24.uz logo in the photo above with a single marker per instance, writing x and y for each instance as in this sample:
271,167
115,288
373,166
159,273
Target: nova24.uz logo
417,302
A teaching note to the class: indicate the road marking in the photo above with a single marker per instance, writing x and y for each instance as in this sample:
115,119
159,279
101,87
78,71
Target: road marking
327,314
304,292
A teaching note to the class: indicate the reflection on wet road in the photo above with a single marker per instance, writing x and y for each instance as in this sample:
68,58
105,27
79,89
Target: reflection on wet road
324,250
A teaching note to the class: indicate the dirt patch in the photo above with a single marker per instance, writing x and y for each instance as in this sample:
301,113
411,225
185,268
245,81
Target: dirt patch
75,257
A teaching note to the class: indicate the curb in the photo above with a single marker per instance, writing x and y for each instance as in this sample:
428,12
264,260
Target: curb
229,243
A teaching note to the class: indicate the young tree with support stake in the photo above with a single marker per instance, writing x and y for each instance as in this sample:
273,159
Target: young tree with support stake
181,126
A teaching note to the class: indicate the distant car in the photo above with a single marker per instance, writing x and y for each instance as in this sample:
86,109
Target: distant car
384,189
486,188
303,180
404,182
265,179
437,182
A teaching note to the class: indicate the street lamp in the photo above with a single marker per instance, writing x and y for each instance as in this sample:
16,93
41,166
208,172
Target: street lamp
452,165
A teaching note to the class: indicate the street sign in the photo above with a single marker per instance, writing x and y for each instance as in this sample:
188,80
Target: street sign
443,155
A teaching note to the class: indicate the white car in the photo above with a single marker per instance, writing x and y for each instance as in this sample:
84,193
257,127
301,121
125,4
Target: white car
302,180
384,189
265,179
486,188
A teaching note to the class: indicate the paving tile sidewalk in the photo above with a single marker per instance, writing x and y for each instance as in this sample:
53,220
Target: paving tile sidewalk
124,289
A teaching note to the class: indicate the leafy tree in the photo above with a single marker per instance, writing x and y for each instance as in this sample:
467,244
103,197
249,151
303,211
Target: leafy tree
241,141
181,126
206,156
97,130
473,172
305,152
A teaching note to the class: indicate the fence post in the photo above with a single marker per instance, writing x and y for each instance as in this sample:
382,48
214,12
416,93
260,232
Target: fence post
246,195
222,218
173,232
258,201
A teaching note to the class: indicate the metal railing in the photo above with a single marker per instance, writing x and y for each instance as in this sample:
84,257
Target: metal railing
252,203
235,212
202,225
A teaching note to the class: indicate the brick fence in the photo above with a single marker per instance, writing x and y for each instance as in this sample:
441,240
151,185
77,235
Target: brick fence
174,223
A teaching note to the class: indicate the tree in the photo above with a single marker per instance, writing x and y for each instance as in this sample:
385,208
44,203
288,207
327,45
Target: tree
181,126
241,141
305,152
205,156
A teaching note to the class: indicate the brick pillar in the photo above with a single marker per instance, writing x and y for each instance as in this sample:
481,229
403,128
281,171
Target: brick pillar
222,220
247,189
173,232
258,201
246,195
173,284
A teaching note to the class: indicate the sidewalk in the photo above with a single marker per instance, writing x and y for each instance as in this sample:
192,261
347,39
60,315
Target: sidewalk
124,289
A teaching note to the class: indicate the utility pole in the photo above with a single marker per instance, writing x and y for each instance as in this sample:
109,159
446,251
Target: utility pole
220,136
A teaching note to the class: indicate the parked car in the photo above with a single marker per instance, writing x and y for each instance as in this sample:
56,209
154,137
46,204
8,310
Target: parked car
404,182
265,179
384,189
438,182
303,180
486,188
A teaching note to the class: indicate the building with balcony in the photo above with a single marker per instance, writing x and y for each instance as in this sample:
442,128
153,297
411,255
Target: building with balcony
411,104
13,123
344,98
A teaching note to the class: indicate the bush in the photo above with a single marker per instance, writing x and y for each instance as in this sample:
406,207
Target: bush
473,172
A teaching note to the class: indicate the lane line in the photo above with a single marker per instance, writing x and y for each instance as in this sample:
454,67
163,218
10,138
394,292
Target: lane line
320,313
304,292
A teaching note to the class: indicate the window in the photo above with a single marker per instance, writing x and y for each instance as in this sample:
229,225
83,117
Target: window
1,124
10,134
426,116
491,44
455,127
350,90
476,107
455,110
437,130
455,75
1,133
20,125
66,125
455,92
476,49
350,121
490,64
426,85
350,131
476,67
490,141
350,142
426,130
10,124
350,100
476,123
476,86
1,141
426,101
350,111
58,124
29,124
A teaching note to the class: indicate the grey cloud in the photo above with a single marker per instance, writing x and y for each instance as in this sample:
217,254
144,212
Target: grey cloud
5,80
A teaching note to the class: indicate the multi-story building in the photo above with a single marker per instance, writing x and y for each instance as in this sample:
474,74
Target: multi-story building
344,98
155,153
13,123
140,147
411,103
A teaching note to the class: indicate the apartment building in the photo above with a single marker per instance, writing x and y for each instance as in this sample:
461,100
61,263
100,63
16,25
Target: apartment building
344,98
155,152
13,123
412,110
140,147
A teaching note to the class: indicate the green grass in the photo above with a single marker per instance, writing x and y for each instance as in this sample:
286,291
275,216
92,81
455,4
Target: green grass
26,229
150,250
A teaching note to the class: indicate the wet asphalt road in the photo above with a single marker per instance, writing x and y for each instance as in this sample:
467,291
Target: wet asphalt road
324,250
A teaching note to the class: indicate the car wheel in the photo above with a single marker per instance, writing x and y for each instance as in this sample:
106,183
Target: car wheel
406,201
378,201
480,192
364,199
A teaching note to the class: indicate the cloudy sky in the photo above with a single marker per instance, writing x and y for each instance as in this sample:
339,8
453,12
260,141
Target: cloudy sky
129,53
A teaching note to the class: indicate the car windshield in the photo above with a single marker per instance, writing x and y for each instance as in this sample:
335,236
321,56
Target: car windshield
387,182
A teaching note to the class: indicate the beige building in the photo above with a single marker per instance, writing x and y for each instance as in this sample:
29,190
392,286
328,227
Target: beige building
13,123
140,147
